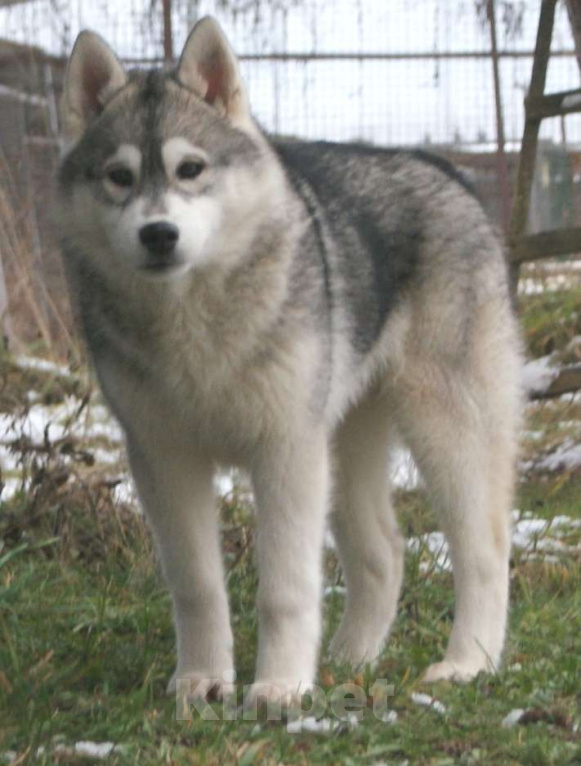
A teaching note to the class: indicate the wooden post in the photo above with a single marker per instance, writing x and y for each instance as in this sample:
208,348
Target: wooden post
7,338
501,156
167,32
527,161
574,11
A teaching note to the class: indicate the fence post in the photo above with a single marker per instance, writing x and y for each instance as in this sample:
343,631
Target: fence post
501,155
5,322
167,32
527,162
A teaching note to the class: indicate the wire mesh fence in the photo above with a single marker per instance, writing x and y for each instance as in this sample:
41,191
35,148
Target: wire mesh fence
404,72
407,72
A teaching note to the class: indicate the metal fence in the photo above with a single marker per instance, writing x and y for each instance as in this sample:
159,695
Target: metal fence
403,72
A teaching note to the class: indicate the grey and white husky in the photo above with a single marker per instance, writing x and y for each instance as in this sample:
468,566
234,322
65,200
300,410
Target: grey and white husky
291,308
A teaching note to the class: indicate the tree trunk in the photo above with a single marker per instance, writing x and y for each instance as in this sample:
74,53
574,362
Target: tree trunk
574,11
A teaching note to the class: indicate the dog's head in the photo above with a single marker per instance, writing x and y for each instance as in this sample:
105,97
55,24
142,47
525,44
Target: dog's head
163,171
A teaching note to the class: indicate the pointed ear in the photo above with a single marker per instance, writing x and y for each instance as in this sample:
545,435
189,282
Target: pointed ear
94,74
208,66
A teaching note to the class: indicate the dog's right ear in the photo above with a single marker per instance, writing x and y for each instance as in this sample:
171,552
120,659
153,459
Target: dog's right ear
94,74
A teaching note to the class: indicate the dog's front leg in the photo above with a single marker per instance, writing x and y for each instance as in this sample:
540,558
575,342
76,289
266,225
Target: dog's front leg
175,487
291,484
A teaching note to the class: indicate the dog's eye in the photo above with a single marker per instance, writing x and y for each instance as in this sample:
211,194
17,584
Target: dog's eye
121,176
189,169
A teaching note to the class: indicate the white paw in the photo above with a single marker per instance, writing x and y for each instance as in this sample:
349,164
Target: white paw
453,671
198,685
281,694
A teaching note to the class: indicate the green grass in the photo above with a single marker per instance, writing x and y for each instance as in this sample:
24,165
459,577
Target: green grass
550,321
86,649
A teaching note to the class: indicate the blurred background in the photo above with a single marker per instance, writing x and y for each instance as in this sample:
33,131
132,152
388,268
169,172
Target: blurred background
407,72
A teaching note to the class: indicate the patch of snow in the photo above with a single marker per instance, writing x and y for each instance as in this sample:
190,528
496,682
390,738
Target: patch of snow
84,749
8,459
33,426
12,484
525,531
39,417
99,750
532,534
424,700
512,718
56,422
564,521
44,365
526,521
572,265
224,484
540,285
311,724
321,725
555,402
106,457
403,471
124,493
566,457
234,481
550,277
538,374
109,429
436,545
529,533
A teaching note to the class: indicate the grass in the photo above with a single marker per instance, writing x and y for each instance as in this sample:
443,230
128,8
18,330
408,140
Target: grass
87,646
550,321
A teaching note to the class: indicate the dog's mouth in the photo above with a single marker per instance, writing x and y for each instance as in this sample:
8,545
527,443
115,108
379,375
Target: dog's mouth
163,265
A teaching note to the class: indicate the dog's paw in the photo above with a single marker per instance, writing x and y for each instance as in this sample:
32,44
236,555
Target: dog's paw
452,671
276,693
198,685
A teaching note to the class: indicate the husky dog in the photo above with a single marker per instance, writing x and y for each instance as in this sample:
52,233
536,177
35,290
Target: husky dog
291,308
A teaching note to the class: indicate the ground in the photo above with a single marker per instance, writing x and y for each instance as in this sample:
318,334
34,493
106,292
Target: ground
87,645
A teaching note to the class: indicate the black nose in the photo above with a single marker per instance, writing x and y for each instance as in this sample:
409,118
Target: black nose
159,238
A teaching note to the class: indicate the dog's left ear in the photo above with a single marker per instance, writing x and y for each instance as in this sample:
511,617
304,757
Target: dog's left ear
208,66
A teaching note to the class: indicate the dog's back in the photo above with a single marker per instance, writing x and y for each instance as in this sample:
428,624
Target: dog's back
395,233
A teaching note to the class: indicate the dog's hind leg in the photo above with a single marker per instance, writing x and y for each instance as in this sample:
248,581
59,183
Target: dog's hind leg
369,543
461,427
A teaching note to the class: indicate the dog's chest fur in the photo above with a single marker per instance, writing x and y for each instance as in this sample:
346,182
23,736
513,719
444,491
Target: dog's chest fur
202,361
